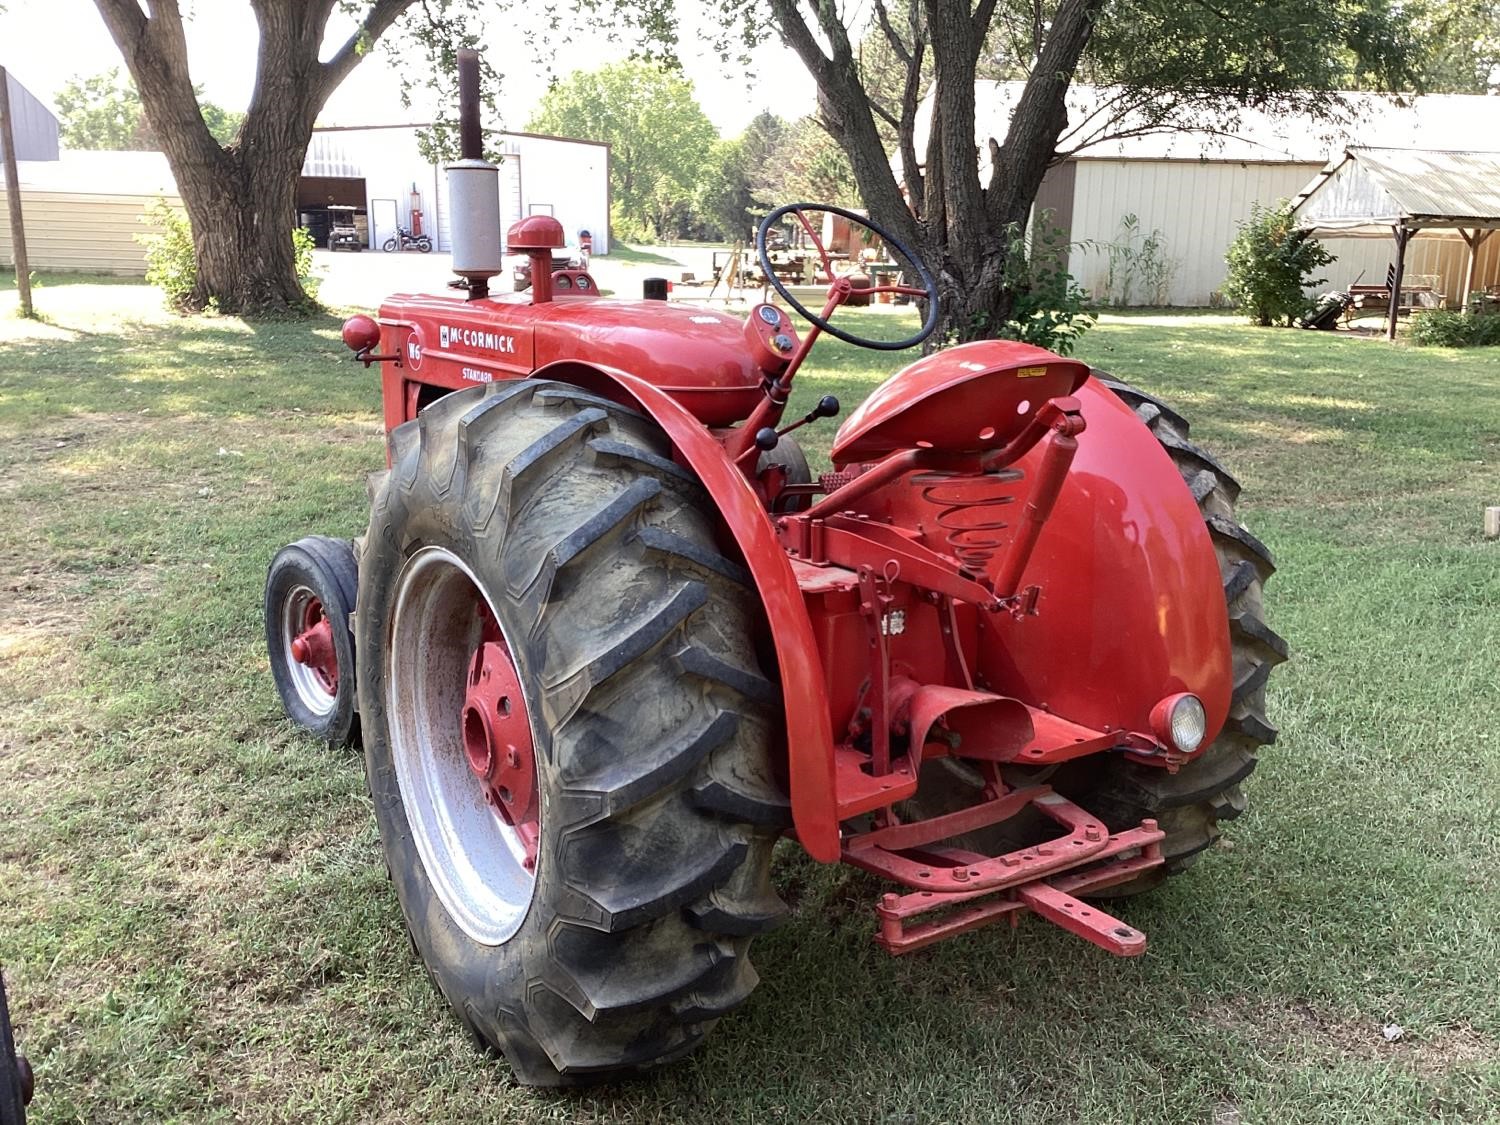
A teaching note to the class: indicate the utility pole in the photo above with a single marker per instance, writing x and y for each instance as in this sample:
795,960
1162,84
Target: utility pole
13,197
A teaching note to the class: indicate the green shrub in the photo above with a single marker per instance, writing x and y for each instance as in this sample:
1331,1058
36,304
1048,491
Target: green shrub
170,264
1050,309
302,258
1271,264
169,252
1449,328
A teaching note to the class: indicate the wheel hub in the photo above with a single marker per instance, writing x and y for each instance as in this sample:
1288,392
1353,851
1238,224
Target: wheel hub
497,739
313,646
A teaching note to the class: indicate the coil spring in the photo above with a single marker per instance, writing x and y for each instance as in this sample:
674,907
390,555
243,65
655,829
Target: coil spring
966,511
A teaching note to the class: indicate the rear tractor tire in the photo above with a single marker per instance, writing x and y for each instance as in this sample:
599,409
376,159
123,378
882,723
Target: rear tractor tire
1190,804
567,731
310,589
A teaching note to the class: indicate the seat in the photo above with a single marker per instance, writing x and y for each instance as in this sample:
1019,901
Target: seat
973,397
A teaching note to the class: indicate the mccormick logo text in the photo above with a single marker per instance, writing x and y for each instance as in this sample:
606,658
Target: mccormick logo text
452,334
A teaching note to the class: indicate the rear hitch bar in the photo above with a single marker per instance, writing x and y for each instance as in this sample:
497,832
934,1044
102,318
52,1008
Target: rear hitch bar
954,891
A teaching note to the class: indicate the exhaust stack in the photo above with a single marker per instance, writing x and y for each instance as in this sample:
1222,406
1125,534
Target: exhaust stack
473,191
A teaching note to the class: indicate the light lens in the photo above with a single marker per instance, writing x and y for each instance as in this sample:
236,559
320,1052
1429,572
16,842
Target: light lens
1188,723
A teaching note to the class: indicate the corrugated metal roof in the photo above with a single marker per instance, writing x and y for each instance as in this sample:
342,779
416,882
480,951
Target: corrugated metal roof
1370,190
1098,129
1435,183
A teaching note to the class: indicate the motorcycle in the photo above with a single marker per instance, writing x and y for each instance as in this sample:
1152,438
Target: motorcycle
405,240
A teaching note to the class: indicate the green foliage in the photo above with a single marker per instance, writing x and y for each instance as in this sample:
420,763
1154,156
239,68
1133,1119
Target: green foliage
1286,56
1049,309
170,264
1459,41
104,112
1271,264
302,259
811,166
660,138
172,268
1449,328
1137,258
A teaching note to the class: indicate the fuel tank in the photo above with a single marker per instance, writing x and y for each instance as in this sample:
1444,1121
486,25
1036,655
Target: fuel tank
701,357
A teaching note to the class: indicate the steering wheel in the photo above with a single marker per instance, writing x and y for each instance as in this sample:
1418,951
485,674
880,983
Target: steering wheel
929,286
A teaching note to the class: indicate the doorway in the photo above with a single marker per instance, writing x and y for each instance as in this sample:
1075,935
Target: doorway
382,221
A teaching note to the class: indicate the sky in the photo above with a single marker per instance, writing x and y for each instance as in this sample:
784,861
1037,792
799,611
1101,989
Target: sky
221,58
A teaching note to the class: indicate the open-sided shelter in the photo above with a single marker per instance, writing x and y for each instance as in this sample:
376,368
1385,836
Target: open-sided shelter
1401,194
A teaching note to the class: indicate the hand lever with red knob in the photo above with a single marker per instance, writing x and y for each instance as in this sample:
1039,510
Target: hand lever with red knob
827,407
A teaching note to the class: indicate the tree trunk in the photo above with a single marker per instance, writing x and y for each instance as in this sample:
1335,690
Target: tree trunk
242,214
241,198
964,229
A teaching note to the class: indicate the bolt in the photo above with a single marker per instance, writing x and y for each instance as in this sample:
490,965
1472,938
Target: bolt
1010,861
1149,825
1092,833
299,651
513,757
890,901
960,875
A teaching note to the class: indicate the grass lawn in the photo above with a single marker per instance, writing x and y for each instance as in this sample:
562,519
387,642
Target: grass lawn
622,252
194,916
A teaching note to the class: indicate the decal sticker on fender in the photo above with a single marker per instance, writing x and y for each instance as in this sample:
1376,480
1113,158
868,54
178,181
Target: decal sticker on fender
1030,372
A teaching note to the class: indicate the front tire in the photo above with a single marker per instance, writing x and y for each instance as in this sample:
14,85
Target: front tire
309,596
389,245
629,634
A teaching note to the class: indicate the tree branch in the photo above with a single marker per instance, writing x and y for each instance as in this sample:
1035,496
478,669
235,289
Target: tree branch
984,12
1040,115
155,52
897,45
126,23
846,110
376,23
799,37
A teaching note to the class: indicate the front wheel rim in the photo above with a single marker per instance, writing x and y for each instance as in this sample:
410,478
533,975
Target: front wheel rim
444,628
315,681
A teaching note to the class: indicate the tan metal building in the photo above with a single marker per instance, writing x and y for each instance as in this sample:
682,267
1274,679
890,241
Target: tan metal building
1185,192
84,210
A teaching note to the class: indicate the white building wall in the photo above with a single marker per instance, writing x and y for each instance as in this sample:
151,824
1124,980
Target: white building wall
388,160
569,177
1196,205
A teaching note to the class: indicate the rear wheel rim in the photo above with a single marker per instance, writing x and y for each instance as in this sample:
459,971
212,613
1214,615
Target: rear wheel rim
444,628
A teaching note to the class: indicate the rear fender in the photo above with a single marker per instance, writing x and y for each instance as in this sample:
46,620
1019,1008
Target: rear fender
1132,606
809,732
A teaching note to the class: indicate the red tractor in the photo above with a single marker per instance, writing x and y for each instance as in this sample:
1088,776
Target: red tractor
606,641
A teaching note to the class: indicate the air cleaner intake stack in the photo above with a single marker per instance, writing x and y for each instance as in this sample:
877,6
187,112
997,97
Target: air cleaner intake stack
473,190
